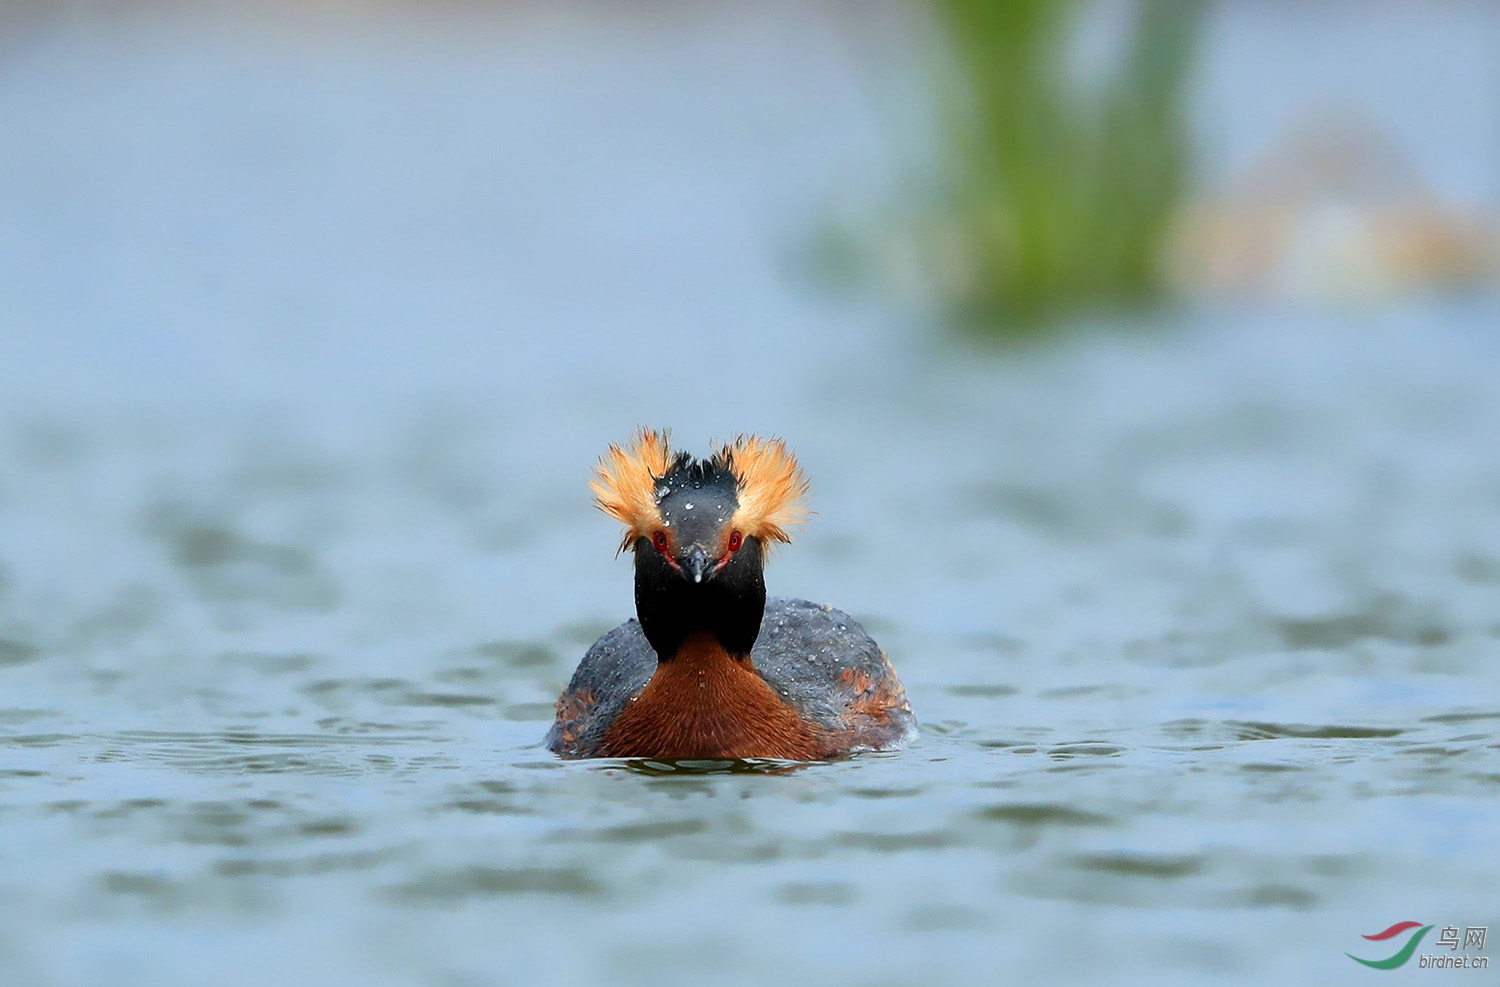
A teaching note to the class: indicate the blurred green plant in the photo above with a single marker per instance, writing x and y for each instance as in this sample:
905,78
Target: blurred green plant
1056,196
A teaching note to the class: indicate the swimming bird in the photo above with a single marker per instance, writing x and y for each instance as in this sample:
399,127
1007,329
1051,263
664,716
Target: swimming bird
709,668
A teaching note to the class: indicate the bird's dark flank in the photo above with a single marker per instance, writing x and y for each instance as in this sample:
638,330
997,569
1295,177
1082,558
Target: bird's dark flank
710,669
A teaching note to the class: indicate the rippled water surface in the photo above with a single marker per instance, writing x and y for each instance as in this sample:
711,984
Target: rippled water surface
1200,623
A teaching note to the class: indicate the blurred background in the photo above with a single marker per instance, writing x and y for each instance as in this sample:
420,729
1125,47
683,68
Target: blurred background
1142,356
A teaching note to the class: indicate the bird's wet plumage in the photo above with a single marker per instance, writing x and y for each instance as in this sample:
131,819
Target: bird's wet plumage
710,669
816,659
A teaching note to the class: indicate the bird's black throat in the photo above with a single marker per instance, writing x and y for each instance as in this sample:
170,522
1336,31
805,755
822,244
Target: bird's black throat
729,606
697,501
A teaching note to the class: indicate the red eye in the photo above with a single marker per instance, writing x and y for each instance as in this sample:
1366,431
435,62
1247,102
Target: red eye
659,540
735,541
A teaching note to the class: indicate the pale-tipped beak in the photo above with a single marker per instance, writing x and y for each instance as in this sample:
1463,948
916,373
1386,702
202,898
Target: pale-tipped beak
697,564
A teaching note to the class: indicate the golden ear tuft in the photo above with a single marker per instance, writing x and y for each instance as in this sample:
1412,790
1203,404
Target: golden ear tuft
770,487
624,483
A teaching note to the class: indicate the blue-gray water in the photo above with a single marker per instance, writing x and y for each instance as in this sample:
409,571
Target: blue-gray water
309,346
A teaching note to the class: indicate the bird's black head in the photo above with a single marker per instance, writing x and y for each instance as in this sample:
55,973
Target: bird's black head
696,571
700,530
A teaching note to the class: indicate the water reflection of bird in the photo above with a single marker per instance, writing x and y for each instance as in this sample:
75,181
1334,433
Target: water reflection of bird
712,669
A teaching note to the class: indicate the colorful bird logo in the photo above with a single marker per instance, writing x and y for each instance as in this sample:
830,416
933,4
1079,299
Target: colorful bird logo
1401,955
